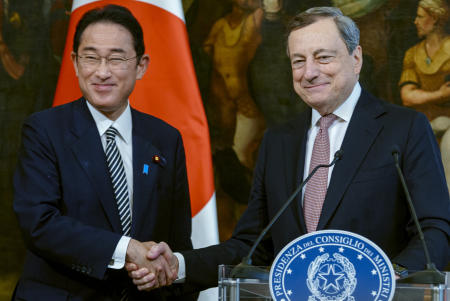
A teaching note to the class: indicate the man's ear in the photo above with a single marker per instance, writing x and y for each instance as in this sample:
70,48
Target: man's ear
357,59
73,57
142,66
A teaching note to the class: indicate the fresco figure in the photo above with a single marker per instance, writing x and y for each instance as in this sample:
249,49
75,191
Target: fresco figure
13,67
59,24
236,121
425,79
26,85
357,8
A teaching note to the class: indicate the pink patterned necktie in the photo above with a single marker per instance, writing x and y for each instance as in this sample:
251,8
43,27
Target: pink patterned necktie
316,189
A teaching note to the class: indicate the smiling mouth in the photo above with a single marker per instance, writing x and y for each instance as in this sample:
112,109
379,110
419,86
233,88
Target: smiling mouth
102,87
309,87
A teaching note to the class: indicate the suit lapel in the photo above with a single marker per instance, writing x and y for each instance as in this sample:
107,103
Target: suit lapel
294,146
145,175
89,152
361,133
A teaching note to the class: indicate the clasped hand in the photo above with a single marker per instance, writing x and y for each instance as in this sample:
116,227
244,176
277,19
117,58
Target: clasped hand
150,264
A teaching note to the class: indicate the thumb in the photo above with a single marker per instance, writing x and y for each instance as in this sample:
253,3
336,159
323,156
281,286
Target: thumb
155,251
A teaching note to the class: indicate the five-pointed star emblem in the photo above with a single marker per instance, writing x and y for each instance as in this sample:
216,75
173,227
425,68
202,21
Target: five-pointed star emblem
331,278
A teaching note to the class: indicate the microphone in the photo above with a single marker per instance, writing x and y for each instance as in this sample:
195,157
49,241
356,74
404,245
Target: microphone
245,269
431,275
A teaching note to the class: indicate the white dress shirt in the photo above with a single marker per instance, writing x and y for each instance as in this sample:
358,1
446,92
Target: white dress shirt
124,142
336,131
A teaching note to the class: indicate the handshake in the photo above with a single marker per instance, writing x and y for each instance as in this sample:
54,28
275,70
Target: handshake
151,265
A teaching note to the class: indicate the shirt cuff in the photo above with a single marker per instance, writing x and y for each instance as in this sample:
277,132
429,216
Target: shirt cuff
181,268
118,259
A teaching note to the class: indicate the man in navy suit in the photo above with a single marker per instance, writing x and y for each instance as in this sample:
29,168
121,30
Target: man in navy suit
64,196
363,192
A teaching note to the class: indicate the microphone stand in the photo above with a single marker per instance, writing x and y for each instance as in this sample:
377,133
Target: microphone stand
431,275
245,269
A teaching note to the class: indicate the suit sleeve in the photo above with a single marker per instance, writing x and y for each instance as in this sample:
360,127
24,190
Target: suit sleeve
422,166
202,264
47,231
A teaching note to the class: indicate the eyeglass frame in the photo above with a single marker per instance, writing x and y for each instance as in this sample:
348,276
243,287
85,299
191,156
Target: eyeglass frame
99,61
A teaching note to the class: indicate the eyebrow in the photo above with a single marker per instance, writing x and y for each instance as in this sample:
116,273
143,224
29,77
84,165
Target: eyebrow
324,50
297,55
316,52
88,48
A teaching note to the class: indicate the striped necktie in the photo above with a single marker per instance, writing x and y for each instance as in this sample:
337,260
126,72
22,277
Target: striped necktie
118,179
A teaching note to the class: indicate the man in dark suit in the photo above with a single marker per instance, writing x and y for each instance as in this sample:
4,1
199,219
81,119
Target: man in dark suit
97,180
362,192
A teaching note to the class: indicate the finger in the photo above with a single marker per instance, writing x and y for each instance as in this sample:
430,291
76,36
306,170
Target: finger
131,267
147,287
144,280
165,273
156,283
139,273
167,253
158,267
171,262
162,278
174,266
168,272
155,251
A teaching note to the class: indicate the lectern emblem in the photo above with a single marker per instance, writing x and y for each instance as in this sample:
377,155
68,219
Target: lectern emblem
332,265
333,277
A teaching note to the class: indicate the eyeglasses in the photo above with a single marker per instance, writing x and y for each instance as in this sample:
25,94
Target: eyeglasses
92,61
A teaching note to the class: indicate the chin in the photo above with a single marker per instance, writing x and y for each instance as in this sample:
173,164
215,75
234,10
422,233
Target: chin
315,100
103,101
315,104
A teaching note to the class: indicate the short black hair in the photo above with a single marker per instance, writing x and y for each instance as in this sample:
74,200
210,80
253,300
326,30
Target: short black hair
112,14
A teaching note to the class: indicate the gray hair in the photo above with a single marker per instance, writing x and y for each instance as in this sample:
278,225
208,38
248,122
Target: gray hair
347,28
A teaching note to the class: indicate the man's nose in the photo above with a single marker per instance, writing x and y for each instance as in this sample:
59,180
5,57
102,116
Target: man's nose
103,70
311,69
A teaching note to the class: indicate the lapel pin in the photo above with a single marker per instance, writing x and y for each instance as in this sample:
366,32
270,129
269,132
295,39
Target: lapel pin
160,160
156,159
145,169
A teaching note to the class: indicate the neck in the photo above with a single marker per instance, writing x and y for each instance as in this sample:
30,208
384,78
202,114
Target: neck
435,38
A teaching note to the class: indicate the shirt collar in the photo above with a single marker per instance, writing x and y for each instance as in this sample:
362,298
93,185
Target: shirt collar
345,110
123,124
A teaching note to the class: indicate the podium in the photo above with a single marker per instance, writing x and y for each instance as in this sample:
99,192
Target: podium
256,290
